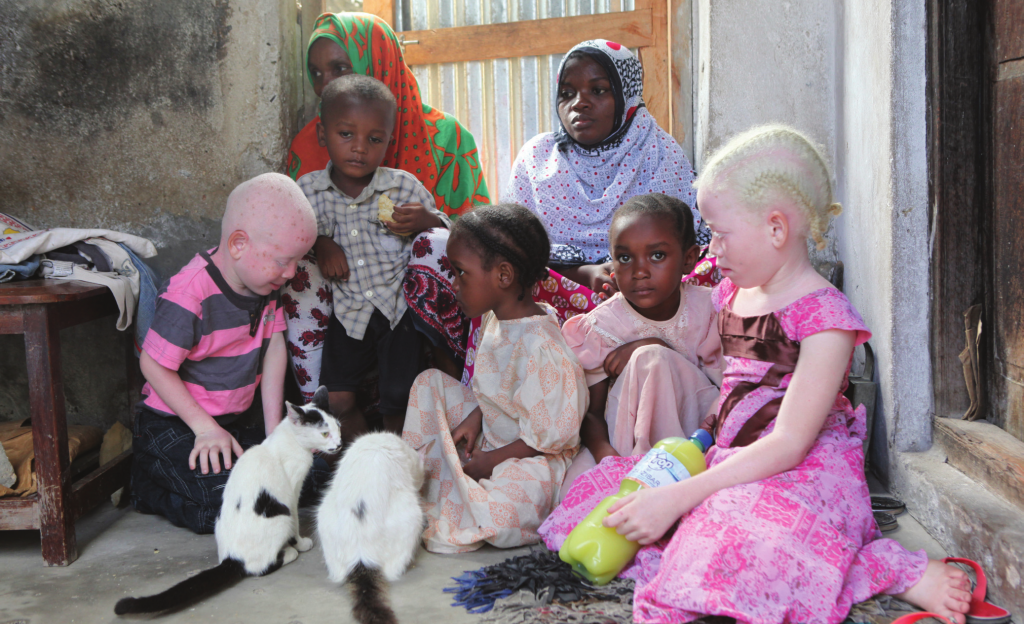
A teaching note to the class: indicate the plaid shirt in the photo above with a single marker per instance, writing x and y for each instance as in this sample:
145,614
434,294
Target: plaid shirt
376,257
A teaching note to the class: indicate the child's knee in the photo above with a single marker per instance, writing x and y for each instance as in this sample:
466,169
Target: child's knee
650,354
342,402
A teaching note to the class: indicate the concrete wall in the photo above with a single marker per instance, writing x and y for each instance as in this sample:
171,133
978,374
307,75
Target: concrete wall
760,62
141,117
883,238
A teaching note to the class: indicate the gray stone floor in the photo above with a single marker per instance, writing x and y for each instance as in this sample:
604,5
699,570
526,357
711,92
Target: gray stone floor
124,553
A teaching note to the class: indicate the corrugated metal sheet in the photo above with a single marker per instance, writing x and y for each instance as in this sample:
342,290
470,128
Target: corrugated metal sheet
503,102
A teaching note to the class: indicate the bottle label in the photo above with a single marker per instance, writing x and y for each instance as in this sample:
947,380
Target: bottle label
658,468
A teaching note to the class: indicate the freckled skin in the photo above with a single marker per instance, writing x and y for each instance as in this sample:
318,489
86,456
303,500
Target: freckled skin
268,225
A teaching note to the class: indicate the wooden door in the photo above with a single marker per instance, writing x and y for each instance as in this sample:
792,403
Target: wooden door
1006,226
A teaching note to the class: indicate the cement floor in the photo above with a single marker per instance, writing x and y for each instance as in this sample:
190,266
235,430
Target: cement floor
123,553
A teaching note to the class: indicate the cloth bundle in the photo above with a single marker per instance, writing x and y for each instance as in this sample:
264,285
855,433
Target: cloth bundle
96,256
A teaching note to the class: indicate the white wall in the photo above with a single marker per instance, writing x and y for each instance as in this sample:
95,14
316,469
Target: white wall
760,62
884,236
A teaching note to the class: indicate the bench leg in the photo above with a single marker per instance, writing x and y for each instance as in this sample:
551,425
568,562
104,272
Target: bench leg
50,437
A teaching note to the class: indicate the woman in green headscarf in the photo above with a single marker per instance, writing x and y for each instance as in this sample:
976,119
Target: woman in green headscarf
360,43
427,143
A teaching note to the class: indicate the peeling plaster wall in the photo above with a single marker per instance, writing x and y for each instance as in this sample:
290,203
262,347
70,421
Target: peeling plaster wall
883,239
141,117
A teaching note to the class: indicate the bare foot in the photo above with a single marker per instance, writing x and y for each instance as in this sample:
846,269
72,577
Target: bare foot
944,589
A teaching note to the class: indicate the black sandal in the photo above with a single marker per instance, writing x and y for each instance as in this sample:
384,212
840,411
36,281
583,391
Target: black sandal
888,504
886,521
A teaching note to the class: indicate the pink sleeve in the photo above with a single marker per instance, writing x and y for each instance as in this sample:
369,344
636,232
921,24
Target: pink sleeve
722,294
589,345
175,330
280,324
822,310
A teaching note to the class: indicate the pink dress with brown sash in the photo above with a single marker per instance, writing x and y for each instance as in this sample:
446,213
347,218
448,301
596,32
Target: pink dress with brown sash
800,546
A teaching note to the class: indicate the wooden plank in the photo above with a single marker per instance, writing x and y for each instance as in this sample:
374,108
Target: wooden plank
529,38
985,453
1007,380
655,59
19,513
100,484
49,437
681,73
11,321
47,291
384,9
1009,29
960,151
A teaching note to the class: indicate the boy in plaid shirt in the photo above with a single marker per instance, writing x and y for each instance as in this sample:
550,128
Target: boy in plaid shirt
363,256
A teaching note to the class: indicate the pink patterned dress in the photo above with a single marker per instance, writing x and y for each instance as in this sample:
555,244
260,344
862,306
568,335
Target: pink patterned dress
801,546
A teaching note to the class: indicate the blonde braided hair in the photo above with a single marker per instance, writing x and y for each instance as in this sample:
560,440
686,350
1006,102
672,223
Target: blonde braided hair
767,161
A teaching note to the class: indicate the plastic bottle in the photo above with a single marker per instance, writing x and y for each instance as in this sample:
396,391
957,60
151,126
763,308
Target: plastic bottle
598,553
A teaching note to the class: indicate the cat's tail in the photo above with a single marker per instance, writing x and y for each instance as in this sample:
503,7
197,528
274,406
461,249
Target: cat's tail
369,589
187,592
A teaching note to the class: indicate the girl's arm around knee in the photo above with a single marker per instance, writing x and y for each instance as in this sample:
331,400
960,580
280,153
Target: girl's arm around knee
482,464
820,370
594,430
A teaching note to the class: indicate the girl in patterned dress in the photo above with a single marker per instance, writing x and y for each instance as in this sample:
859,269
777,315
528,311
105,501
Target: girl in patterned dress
507,440
779,528
651,352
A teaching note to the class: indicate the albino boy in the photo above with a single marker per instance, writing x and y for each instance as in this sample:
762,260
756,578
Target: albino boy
216,335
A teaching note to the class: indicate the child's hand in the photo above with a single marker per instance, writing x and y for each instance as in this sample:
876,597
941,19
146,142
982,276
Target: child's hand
616,361
413,219
481,466
646,515
469,430
598,278
330,257
210,445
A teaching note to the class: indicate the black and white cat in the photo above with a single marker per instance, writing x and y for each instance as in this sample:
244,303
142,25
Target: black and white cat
370,520
257,530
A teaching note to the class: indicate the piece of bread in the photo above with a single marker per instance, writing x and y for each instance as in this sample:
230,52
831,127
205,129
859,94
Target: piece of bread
385,209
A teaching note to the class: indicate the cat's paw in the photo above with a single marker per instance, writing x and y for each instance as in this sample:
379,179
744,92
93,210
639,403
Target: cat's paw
303,544
290,554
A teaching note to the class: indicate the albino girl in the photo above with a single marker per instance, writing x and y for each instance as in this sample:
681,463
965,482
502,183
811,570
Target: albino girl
779,528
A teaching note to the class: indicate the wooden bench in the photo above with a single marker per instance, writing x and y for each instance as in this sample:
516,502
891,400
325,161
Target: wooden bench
39,309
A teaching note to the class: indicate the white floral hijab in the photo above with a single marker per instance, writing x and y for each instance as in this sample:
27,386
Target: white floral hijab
575,189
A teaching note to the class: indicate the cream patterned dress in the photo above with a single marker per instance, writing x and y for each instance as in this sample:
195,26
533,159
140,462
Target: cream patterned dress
529,386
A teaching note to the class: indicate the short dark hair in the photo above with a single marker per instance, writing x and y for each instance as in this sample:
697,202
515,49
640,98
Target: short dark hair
355,88
511,232
656,204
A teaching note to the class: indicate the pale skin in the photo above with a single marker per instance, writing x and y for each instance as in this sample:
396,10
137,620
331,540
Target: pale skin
267,227
763,250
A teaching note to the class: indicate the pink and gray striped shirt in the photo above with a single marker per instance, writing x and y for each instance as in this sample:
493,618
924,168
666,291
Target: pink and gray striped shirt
212,336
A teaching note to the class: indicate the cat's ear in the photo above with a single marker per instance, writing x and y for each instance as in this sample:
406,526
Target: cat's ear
425,449
321,399
292,413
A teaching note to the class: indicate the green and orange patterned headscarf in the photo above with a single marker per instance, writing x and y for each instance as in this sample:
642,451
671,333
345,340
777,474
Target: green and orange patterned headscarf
428,143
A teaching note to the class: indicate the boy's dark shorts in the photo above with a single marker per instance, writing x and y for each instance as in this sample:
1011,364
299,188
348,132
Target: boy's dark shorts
394,352
162,482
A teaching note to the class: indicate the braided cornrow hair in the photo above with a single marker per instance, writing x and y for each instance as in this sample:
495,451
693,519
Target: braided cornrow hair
657,204
511,232
767,161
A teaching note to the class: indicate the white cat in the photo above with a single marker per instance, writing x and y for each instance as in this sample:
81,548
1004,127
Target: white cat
370,521
257,530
